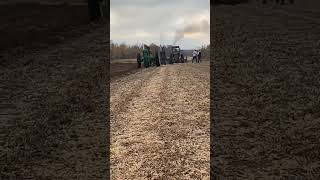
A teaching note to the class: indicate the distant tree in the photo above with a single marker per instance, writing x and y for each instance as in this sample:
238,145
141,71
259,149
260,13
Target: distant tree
123,52
205,51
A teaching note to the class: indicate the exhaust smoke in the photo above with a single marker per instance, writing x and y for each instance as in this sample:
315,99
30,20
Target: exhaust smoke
195,27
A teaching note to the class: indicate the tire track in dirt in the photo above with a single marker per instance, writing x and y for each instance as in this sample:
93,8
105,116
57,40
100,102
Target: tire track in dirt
185,126
164,133
123,93
127,137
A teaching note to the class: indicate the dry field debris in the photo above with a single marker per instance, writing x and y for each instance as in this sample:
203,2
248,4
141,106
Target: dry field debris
160,123
265,64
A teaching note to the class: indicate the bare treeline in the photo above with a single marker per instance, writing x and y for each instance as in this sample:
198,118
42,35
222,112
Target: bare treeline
124,51
205,50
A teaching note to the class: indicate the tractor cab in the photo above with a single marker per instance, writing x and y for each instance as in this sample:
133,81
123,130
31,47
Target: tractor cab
175,54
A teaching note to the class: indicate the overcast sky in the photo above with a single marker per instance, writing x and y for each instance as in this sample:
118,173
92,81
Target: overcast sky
155,21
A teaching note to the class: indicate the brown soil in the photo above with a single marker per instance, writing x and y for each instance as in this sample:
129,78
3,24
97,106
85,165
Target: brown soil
265,119
120,69
54,111
160,123
26,27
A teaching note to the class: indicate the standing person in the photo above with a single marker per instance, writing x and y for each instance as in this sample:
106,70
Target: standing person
157,60
194,56
151,59
181,58
199,56
139,60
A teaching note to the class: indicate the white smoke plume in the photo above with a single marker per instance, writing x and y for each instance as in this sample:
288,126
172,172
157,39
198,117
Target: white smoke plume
194,27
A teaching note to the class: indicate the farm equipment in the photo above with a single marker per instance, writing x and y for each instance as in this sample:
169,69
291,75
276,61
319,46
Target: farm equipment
175,55
178,56
163,58
146,58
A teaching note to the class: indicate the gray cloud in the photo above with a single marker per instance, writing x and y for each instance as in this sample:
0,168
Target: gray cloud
130,17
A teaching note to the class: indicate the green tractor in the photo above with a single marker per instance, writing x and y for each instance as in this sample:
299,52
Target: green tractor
151,56
146,56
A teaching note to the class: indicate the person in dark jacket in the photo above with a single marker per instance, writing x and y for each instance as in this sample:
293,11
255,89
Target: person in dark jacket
181,58
139,60
156,58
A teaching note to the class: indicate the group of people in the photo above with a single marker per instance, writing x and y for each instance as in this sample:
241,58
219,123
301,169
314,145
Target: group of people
196,56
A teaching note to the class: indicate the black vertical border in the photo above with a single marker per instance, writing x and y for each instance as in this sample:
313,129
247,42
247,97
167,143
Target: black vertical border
213,89
108,173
